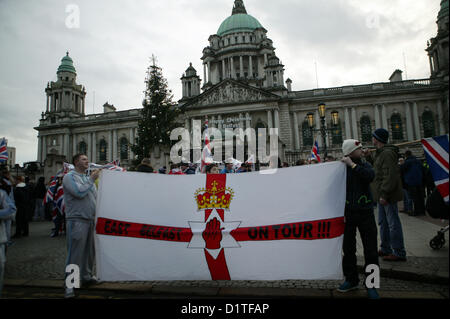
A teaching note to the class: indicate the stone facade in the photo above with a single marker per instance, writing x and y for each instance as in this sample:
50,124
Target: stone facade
244,87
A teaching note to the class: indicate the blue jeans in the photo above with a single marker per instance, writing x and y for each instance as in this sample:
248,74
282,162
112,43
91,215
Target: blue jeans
407,202
391,233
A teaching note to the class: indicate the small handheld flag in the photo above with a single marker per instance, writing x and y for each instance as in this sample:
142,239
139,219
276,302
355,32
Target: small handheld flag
3,150
315,151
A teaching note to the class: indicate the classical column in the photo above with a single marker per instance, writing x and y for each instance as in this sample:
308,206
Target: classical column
204,73
431,64
110,148
131,142
60,101
224,74
94,147
183,89
66,146
74,144
114,145
384,121
416,121
354,124
269,77
192,124
219,125
213,118
39,155
376,112
47,103
247,121
409,127
441,118
269,118
348,133
265,59
209,71
44,148
276,119
241,66
250,67
233,74
296,132
84,105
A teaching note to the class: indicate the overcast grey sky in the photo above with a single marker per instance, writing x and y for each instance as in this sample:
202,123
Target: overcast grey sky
352,42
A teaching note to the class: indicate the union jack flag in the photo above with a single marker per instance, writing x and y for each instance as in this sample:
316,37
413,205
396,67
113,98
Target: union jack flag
436,153
315,151
206,153
59,200
114,166
3,150
116,162
51,191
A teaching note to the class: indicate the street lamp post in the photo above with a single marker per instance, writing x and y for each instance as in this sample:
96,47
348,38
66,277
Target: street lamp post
323,130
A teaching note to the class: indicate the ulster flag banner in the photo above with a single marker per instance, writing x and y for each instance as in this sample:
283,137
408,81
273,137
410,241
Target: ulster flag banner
249,226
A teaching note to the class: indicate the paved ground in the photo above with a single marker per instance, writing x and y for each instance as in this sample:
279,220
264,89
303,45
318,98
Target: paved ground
35,269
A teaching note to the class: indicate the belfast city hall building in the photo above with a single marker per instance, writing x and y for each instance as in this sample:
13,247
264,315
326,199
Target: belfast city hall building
243,86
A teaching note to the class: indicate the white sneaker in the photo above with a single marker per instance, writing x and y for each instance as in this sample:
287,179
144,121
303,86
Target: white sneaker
70,293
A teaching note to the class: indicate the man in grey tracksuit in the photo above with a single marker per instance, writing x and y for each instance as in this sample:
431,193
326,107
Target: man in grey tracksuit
80,198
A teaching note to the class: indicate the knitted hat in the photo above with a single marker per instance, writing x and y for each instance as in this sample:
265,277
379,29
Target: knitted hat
381,135
350,145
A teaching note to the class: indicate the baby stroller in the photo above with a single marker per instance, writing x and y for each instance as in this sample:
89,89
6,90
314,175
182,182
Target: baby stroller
437,208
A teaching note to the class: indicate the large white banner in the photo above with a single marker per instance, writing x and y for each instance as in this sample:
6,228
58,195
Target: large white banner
249,226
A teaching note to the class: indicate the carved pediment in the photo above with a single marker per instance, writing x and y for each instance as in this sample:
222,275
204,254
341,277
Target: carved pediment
229,92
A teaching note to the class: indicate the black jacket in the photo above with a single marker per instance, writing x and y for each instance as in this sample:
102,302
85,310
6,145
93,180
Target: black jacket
359,178
145,168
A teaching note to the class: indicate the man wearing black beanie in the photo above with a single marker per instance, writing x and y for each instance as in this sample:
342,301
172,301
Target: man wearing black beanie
387,191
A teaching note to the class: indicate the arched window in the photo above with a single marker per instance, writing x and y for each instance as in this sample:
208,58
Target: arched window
307,134
396,126
428,124
123,148
102,149
366,128
82,147
336,133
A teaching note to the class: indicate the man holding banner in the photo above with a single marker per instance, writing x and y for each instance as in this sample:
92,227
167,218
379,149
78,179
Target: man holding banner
358,214
80,197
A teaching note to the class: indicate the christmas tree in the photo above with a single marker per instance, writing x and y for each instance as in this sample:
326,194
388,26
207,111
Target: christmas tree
158,116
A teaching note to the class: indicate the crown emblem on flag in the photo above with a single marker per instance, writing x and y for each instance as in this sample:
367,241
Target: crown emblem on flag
213,197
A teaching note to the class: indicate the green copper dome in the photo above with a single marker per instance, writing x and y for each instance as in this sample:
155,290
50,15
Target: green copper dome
66,64
240,22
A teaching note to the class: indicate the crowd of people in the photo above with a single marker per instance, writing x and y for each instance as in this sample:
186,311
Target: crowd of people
227,167
375,178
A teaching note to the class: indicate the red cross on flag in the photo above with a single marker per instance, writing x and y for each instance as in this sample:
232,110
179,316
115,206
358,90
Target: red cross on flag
287,225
